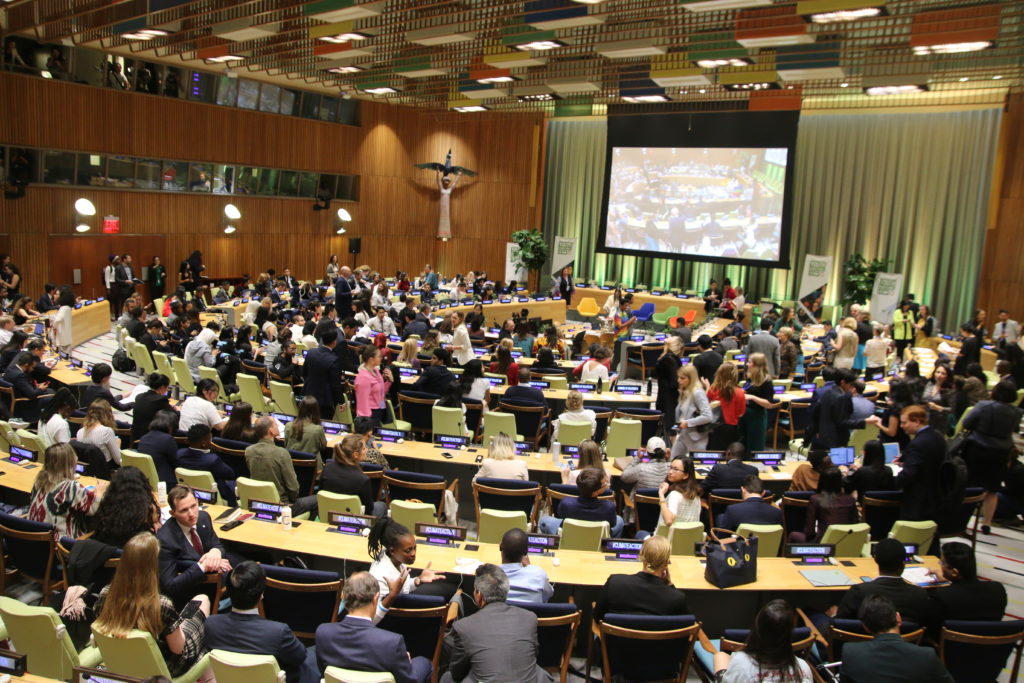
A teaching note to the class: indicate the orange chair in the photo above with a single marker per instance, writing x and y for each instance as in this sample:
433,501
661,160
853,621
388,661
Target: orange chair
690,316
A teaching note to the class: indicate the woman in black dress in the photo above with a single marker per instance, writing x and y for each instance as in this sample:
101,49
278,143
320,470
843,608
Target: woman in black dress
666,372
990,445
157,278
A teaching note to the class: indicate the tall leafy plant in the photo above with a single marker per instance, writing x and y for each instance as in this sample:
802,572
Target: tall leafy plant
860,278
532,251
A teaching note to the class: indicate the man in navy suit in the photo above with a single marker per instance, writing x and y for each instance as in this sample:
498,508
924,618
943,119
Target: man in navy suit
18,375
187,537
323,374
732,473
921,461
355,643
753,510
199,457
343,292
243,630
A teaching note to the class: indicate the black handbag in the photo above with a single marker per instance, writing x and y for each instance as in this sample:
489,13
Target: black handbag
731,564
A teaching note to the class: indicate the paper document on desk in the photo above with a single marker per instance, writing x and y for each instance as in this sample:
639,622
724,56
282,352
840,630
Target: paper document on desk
921,576
466,565
826,577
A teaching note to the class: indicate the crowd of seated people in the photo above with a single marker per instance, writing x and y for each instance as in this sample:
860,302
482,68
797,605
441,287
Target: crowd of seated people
350,361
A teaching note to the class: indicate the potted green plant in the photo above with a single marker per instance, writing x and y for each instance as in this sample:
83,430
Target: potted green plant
860,278
532,252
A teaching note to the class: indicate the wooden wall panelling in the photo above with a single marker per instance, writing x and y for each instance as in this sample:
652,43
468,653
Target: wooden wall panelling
1002,275
396,215
90,254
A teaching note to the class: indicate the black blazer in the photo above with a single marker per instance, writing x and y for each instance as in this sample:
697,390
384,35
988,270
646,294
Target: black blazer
338,478
870,479
354,643
164,450
251,634
146,405
639,593
136,328
174,548
435,379
973,600
835,418
729,475
751,511
707,364
95,391
323,378
23,386
920,475
343,298
871,660
911,601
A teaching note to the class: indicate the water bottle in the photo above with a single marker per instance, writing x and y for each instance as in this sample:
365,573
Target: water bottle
600,385
556,452
161,494
650,386
286,517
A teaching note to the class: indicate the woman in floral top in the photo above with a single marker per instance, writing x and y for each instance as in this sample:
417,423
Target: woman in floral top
57,498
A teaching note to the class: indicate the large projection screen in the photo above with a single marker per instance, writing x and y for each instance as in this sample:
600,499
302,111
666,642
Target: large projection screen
709,187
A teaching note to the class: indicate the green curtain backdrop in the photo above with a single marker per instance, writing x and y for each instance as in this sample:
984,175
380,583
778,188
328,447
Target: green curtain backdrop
911,188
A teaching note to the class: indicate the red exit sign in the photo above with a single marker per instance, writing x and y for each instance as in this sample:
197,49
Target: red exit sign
111,224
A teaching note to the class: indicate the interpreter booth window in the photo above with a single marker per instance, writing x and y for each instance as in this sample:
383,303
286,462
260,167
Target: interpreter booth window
268,181
270,98
202,86
121,172
307,184
329,109
289,184
58,168
92,170
223,179
200,177
147,174
310,105
247,180
175,176
248,93
289,102
348,187
227,91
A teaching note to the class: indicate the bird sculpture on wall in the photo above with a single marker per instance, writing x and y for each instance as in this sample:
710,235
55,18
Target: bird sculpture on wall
446,168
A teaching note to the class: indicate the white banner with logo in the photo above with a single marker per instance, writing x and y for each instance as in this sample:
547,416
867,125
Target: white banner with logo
564,254
885,296
817,271
520,276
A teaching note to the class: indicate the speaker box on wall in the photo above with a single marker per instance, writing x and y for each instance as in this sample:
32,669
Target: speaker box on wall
355,245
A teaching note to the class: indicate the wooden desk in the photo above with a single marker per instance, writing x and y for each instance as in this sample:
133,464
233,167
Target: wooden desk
65,374
495,314
88,322
605,398
662,302
988,356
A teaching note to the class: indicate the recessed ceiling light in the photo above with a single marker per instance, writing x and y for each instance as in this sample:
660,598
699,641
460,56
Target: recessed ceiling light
895,89
384,90
644,99
702,91
844,85
470,108
996,78
145,34
952,48
539,45
746,87
351,69
846,15
497,79
539,97
716,63
224,58
344,37
964,79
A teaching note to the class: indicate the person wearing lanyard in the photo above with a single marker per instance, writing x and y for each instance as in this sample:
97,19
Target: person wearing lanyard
372,386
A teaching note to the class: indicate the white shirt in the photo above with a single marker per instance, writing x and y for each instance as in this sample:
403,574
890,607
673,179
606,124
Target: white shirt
197,410
461,338
479,389
104,439
384,570
582,416
593,371
5,336
383,325
56,430
1008,329
686,509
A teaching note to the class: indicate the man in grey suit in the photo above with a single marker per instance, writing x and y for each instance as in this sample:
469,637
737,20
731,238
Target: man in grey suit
498,644
762,341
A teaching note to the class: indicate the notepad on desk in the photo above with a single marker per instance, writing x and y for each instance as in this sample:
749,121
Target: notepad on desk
826,577
921,576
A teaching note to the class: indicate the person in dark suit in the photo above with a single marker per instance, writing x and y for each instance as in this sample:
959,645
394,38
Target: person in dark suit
136,328
243,630
649,591
412,324
48,300
19,376
355,643
966,597
159,444
707,361
188,537
199,457
347,355
970,350
731,474
919,477
887,657
436,377
833,413
911,601
524,392
149,403
498,644
343,292
100,388
323,374
753,510
564,284
124,278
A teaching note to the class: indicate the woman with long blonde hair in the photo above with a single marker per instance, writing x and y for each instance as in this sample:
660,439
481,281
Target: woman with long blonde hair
98,430
133,601
760,395
732,403
409,353
692,412
501,461
57,498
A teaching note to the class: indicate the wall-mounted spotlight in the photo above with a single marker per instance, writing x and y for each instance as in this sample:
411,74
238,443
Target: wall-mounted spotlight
230,216
229,229
84,211
343,217
232,212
